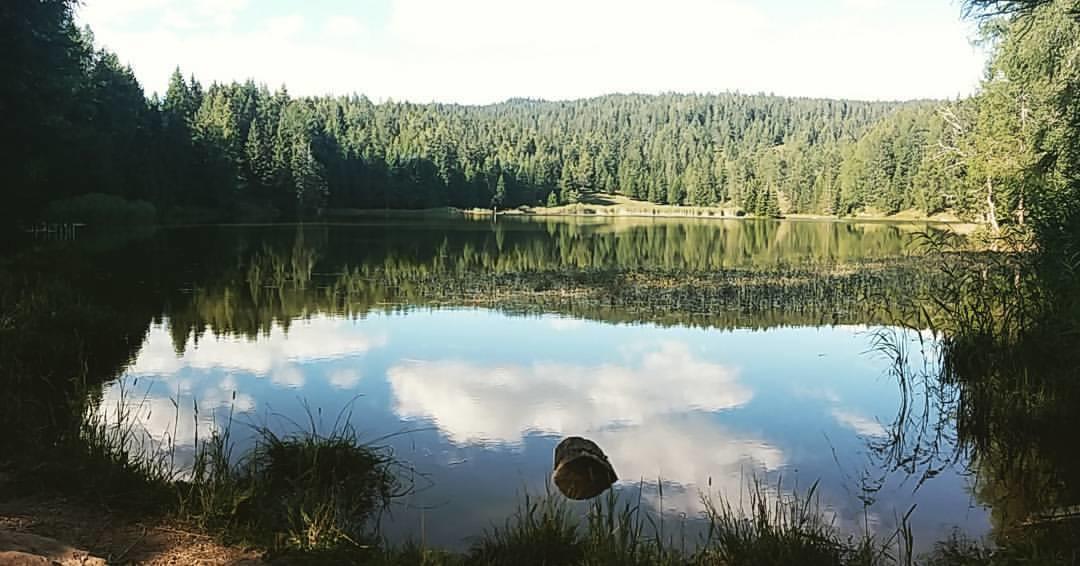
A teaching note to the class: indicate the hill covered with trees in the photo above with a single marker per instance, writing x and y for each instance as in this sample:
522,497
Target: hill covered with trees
81,123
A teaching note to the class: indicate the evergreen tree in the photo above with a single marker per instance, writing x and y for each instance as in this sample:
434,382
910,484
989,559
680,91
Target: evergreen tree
179,105
499,197
258,155
568,188
308,180
232,144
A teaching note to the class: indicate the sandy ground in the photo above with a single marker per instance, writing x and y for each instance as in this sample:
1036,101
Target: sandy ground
117,539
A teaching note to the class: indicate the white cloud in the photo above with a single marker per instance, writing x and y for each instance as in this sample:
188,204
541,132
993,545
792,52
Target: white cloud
861,425
107,15
652,417
475,403
183,14
284,27
171,415
488,50
166,410
343,26
344,378
864,4
687,451
288,376
271,355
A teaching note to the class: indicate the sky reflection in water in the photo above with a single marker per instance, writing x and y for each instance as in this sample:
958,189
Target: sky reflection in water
486,397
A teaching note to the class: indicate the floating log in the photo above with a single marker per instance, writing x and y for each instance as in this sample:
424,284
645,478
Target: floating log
582,471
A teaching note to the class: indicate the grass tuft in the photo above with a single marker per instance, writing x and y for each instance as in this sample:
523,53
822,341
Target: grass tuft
304,492
542,531
322,492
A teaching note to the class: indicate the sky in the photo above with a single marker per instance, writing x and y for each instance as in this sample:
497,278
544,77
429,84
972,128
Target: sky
484,51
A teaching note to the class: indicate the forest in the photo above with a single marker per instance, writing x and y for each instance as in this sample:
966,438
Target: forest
86,142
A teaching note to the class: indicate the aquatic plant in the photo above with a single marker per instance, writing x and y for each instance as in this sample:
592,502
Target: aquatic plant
306,491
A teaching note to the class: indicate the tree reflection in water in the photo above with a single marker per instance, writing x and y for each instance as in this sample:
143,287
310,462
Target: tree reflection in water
1001,400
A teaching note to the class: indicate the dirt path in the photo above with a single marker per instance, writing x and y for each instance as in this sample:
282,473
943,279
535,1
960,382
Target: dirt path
116,539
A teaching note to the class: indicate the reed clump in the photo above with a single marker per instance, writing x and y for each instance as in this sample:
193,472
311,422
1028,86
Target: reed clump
544,530
772,530
1000,396
306,492
769,529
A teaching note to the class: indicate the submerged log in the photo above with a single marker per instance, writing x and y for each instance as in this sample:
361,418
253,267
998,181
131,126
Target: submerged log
582,471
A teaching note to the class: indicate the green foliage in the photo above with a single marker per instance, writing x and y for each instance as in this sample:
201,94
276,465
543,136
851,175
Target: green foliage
305,492
98,209
1005,379
958,550
1038,55
321,490
542,531
1019,136
43,69
238,147
774,529
499,197
48,394
82,125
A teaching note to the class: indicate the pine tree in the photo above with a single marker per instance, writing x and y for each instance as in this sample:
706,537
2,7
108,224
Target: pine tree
259,159
568,188
179,104
308,179
499,197
772,203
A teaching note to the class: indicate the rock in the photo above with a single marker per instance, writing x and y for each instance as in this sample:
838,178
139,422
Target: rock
582,471
25,549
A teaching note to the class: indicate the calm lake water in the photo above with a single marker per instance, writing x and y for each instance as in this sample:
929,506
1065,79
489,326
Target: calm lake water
471,348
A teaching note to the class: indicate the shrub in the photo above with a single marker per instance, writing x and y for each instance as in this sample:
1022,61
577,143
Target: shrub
99,209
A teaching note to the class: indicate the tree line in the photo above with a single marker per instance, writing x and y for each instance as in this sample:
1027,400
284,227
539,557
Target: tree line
81,123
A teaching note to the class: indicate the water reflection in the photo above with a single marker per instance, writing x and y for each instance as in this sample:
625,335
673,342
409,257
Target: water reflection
256,320
276,354
474,403
862,425
483,403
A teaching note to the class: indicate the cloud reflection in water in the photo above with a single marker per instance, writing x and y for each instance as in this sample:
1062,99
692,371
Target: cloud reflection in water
654,416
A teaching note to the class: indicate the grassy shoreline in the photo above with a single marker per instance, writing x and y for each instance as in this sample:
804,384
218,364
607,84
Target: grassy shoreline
617,206
585,211
314,498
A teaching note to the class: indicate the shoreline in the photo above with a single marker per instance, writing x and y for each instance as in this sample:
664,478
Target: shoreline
586,211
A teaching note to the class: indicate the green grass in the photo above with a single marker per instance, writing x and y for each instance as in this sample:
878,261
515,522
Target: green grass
771,529
305,492
101,210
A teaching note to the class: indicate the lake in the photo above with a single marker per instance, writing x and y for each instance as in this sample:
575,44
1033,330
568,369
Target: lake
702,356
